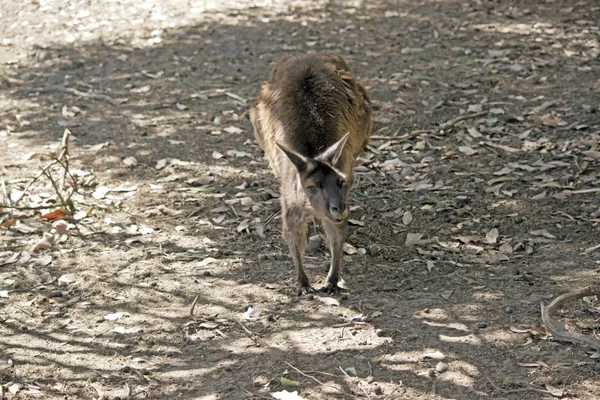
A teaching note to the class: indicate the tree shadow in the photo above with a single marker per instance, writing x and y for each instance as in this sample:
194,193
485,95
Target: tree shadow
184,92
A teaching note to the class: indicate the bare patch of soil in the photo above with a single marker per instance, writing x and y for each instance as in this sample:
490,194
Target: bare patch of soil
461,227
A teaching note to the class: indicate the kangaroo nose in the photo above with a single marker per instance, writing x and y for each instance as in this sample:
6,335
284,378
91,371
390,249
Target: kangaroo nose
336,213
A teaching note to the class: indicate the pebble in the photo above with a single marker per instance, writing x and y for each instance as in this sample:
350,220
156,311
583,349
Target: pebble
441,367
481,325
206,273
508,309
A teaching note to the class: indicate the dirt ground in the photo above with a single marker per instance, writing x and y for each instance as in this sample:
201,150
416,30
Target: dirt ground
460,229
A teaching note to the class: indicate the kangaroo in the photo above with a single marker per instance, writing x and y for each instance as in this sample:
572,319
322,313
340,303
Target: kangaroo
313,119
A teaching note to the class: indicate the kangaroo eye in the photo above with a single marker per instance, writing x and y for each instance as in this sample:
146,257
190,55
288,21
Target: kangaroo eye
312,189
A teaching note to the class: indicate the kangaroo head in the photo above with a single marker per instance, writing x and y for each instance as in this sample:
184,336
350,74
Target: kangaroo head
322,183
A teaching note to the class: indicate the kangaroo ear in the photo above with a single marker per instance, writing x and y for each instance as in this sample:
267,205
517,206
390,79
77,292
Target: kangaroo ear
332,153
297,159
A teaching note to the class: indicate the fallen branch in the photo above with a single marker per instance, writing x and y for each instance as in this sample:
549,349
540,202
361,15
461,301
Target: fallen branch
465,117
78,93
557,328
393,390
303,374
520,390
194,305
410,135
8,200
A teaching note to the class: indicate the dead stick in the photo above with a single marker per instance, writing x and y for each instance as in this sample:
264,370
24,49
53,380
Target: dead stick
55,186
35,178
557,328
393,390
520,390
456,120
403,137
64,155
303,374
8,200
194,305
75,92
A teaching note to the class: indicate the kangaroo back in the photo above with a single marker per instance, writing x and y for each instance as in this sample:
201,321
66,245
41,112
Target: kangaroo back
309,103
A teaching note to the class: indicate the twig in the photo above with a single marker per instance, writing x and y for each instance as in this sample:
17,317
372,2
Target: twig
403,137
194,305
351,323
64,155
8,200
303,374
520,390
393,390
35,178
63,203
557,328
248,332
75,92
456,120
271,218
345,373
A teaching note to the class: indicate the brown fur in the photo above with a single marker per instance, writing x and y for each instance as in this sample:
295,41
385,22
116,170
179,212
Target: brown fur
301,118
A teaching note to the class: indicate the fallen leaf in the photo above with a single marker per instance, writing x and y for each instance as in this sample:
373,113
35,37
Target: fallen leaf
285,395
412,239
330,301
349,249
469,151
288,382
407,218
243,225
252,312
233,129
591,249
492,236
506,248
504,171
436,355
130,161
114,316
542,232
60,226
208,325
45,243
42,261
356,222
56,214
9,222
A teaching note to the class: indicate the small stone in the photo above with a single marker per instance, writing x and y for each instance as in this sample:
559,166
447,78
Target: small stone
441,367
508,309
481,325
379,332
378,391
270,318
206,273
55,293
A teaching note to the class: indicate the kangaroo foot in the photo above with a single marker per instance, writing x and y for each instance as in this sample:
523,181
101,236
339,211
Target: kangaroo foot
331,288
